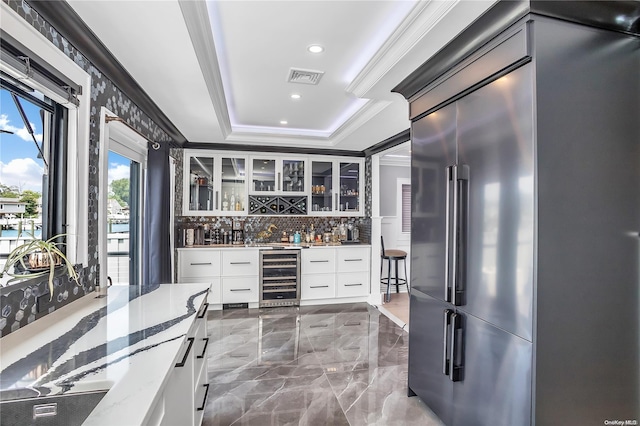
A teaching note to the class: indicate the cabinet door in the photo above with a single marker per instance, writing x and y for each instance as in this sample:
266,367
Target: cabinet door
233,185
278,175
350,188
199,183
263,175
322,172
352,284
495,143
293,176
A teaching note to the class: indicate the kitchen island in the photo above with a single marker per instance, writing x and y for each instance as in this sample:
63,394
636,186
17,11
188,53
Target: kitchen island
133,346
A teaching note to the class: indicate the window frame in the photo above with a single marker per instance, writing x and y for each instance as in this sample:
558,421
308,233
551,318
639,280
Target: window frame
78,121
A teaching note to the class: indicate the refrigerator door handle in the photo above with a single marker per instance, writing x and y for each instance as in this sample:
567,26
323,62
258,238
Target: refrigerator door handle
448,258
461,225
457,368
446,359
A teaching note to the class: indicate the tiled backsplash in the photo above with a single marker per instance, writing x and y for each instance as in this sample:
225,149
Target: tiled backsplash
253,225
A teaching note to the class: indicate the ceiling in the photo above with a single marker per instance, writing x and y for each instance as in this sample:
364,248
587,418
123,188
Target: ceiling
219,69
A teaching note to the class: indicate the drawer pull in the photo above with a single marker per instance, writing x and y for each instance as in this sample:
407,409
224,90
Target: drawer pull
204,350
353,260
318,326
240,289
204,311
239,356
186,353
204,400
240,263
200,263
318,261
319,286
352,285
351,324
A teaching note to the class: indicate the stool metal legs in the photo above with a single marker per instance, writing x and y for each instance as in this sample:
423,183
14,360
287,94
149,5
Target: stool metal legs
398,281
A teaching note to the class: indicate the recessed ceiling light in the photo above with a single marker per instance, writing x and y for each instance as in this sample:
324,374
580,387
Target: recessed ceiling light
315,48
295,96
283,121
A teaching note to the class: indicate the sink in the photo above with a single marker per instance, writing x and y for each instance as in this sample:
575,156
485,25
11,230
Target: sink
64,410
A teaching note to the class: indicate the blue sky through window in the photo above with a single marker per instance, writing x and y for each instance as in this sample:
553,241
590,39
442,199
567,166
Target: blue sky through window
20,166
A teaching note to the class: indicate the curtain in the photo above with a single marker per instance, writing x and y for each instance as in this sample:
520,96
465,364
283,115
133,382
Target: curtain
156,244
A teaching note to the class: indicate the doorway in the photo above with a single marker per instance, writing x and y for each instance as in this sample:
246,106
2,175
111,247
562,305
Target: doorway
392,220
123,167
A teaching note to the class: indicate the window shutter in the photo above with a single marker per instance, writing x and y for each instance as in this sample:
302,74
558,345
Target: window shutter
406,208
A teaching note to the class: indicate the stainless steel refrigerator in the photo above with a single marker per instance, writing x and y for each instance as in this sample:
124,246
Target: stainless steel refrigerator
526,212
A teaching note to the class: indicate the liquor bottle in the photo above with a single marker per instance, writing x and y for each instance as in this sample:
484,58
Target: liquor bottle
225,202
233,200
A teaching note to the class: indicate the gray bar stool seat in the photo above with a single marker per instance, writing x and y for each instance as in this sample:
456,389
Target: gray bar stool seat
392,256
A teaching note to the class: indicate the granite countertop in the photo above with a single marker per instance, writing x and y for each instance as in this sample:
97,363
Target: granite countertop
125,343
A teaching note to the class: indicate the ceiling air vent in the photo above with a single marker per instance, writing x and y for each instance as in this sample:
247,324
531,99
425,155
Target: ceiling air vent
304,76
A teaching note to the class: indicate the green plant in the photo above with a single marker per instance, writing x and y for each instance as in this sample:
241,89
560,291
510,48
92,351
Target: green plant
36,258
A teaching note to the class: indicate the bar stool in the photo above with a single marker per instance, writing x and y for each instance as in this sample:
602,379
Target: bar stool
394,256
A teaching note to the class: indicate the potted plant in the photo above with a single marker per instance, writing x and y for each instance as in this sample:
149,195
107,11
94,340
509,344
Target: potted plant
36,258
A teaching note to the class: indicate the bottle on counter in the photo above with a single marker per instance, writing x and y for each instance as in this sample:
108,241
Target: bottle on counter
225,237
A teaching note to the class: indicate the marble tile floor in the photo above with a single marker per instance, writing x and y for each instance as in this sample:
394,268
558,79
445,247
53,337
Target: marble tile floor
316,365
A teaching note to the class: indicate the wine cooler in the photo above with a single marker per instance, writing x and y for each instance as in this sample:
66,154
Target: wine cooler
279,277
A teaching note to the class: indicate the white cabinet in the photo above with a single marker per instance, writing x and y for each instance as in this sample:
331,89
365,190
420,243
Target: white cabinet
335,272
219,183
278,175
215,183
232,273
201,266
185,394
240,269
353,271
337,186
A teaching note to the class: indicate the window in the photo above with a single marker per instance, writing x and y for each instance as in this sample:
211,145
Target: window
406,207
51,81
32,163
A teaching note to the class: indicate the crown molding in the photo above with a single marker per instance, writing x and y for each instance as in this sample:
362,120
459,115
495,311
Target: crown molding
364,114
420,21
61,16
196,18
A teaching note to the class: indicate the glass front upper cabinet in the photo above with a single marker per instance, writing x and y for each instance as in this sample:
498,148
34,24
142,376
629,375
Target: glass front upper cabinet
216,184
336,186
233,189
322,186
350,176
200,183
278,175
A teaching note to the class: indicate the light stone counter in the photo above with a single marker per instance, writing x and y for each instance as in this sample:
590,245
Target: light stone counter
124,342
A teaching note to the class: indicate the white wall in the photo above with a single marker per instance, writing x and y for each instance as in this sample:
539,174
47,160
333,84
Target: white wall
391,224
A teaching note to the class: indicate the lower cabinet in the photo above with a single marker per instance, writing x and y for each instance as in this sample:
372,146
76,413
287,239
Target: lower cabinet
327,273
185,394
335,272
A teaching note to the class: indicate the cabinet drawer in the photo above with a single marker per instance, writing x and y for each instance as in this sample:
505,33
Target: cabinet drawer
215,294
352,284
353,259
239,262
318,261
199,263
240,290
318,286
